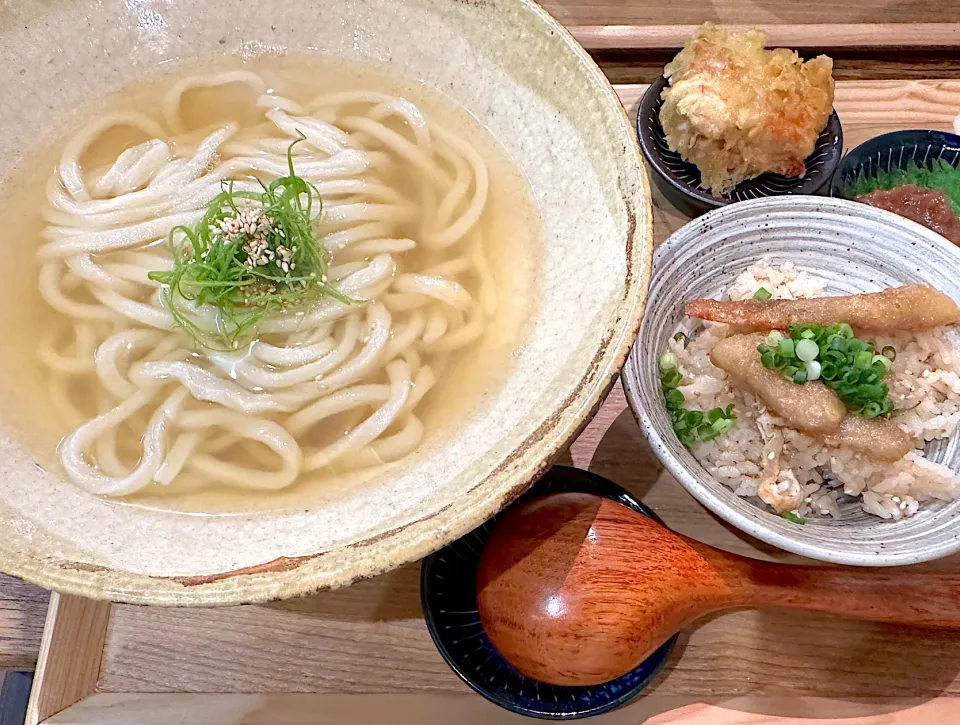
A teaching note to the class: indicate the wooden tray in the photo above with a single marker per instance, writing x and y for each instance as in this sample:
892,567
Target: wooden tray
363,654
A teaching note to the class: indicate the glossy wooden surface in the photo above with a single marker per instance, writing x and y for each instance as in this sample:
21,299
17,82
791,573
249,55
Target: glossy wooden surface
577,590
363,654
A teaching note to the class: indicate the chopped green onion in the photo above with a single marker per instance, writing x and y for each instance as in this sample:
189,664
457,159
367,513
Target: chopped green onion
828,371
762,294
889,352
830,353
856,346
850,377
721,425
680,337
693,418
834,356
690,426
671,379
667,362
875,391
792,517
837,342
871,409
807,350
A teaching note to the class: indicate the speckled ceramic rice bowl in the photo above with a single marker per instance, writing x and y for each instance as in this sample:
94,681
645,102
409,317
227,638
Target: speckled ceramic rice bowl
851,510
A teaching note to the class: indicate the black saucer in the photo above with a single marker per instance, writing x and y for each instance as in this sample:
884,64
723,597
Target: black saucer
680,181
448,594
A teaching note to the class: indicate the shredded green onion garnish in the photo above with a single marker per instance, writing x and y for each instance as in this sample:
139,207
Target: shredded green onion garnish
250,253
792,517
681,337
762,294
691,426
848,366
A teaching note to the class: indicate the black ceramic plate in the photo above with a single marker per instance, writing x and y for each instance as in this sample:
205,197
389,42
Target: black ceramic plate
448,594
895,151
680,181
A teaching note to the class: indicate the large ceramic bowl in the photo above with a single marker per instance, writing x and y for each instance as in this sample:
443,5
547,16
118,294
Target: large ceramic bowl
539,94
854,248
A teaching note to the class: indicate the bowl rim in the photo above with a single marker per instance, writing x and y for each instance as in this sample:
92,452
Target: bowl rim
701,197
707,495
288,577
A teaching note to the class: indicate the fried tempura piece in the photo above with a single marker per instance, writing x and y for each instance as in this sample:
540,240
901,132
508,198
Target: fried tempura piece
811,408
876,438
738,111
913,307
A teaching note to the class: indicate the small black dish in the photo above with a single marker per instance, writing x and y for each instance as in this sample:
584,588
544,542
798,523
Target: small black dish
448,595
680,181
892,151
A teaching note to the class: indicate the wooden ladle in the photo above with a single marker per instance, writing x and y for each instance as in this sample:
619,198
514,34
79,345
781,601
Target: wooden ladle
574,589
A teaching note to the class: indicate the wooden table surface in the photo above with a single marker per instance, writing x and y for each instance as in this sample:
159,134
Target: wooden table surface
744,667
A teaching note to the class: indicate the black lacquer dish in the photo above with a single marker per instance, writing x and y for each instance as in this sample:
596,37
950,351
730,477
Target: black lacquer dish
893,151
680,181
448,595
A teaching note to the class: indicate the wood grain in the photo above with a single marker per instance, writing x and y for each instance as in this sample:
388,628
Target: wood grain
297,709
22,611
69,662
748,12
645,66
817,37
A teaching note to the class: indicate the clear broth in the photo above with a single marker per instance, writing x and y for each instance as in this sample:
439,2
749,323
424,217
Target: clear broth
510,224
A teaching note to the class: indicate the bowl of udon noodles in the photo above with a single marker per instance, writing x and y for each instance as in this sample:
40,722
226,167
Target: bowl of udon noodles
296,293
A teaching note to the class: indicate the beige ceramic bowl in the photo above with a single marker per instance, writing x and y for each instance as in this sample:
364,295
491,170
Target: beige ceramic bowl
541,96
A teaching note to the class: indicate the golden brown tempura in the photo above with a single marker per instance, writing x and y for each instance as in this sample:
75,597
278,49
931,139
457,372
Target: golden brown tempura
812,408
738,111
912,307
877,438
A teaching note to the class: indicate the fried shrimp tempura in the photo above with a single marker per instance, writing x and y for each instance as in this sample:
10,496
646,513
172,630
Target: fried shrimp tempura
912,307
738,111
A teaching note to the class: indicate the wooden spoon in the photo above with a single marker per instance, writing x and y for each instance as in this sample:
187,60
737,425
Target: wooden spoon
574,589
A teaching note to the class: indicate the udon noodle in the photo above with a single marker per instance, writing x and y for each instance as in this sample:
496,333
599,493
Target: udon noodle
329,385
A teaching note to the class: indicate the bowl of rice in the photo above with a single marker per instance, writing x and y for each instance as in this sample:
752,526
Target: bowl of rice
827,502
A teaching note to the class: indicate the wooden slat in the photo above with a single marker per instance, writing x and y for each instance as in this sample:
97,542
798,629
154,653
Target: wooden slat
820,37
748,12
70,652
22,611
296,709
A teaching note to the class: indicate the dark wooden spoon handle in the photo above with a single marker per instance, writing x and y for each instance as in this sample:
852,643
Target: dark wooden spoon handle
882,595
878,594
